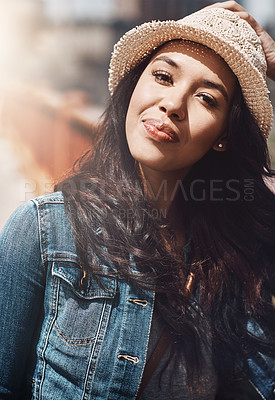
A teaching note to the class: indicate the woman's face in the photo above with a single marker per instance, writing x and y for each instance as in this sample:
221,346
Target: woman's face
179,107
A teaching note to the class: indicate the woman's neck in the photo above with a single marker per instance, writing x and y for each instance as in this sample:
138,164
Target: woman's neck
161,188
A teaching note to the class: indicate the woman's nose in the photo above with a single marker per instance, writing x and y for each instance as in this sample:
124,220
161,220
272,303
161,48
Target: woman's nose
173,105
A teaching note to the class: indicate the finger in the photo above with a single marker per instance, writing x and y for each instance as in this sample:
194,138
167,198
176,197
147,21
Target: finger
247,17
252,22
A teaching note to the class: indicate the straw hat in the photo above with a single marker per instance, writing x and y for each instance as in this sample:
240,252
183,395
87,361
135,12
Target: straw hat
221,30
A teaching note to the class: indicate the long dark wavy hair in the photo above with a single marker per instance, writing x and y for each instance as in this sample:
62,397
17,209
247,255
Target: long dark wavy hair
227,213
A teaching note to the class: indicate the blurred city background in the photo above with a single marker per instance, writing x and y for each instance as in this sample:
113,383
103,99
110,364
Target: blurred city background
54,57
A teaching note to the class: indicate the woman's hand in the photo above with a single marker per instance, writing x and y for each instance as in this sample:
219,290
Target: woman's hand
266,40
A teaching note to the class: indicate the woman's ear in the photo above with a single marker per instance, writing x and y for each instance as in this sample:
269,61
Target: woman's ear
220,144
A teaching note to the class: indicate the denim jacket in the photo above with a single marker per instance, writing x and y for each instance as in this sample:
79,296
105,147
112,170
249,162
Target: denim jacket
59,341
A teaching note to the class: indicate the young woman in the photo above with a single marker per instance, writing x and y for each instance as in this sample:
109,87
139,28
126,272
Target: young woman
149,273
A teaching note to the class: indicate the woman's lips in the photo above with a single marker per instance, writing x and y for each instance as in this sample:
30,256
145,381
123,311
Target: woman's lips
160,131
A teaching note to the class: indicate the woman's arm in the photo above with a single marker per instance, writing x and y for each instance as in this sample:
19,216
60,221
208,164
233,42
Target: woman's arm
266,40
21,295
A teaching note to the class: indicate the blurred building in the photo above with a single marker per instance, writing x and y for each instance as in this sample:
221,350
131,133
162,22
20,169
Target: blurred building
171,9
79,11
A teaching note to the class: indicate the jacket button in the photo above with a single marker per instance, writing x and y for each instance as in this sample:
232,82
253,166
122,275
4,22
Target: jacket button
135,360
142,303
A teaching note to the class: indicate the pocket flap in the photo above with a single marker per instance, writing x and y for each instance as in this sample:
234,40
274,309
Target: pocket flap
71,273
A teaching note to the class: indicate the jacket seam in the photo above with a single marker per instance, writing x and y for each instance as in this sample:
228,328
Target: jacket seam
52,198
39,233
257,390
120,339
54,299
91,371
146,350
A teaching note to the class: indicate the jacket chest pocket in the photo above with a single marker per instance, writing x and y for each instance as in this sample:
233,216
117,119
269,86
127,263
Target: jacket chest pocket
78,312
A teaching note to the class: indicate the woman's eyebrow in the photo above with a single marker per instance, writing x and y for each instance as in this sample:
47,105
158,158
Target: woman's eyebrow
167,60
217,86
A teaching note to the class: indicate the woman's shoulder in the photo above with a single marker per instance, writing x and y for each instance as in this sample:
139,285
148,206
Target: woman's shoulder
55,229
43,217
50,198
48,206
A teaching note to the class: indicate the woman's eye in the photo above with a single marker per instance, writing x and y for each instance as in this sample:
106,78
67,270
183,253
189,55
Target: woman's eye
208,99
163,77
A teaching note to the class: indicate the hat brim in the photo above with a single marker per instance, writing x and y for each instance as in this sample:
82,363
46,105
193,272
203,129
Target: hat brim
139,42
